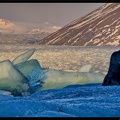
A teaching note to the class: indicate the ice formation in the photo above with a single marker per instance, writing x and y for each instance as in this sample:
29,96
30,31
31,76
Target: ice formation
11,79
32,70
85,68
23,57
58,79
23,76
4,92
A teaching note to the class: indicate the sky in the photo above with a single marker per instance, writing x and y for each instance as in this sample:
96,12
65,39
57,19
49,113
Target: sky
56,13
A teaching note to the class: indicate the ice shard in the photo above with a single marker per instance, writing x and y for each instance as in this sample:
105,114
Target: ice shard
11,79
85,68
33,71
23,57
58,79
4,92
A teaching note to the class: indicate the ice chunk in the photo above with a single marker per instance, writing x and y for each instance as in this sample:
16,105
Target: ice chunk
11,79
58,79
4,92
33,71
85,68
23,57
28,66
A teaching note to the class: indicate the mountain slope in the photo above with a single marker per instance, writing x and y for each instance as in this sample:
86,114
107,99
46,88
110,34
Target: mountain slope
98,28
11,27
12,32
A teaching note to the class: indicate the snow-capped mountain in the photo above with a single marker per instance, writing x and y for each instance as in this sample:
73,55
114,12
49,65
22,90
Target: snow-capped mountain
6,26
13,27
98,28
44,30
5,23
12,32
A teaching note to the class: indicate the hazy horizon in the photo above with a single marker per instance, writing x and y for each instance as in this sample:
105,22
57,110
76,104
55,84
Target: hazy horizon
55,13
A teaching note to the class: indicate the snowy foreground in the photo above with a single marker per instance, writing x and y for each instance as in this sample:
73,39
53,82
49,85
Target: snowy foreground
91,100
81,100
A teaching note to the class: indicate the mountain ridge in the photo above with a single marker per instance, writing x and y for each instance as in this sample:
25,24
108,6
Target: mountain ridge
13,27
100,27
15,32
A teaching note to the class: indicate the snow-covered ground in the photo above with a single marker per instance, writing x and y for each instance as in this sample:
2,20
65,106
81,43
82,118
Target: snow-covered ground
92,100
81,100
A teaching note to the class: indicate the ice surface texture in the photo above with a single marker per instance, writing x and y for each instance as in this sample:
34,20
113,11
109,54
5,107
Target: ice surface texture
85,68
59,79
90,100
15,78
23,57
32,70
11,79
22,76
74,97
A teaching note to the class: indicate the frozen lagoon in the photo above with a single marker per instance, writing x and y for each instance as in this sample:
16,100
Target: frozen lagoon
92,100
63,57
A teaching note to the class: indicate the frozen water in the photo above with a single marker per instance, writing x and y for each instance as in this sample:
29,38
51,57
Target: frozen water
4,92
59,79
23,57
32,70
90,100
11,79
85,68
72,99
22,77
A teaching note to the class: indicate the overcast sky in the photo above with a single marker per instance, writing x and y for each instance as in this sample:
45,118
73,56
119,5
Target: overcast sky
55,13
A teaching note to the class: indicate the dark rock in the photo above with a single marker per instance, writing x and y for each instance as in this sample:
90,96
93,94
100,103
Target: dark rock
113,75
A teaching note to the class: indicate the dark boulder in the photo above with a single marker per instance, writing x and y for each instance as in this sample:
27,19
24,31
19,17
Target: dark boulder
113,75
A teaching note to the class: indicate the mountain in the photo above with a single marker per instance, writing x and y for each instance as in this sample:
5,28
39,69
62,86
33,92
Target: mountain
13,27
12,32
6,26
101,27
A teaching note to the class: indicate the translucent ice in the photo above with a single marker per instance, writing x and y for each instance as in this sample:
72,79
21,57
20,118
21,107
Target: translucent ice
28,66
33,71
85,68
11,79
23,57
24,76
59,79
4,92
